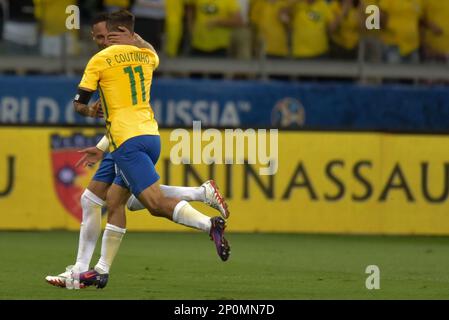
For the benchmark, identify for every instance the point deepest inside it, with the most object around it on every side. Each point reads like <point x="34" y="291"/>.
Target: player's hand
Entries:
<point x="123" y="36"/>
<point x="100" y="113"/>
<point x="90" y="157"/>
<point x="97" y="110"/>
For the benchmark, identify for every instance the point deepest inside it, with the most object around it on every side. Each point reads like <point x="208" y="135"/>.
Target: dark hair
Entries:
<point x="99" y="17"/>
<point x="121" y="18"/>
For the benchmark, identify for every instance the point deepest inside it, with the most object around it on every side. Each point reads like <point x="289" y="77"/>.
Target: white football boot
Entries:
<point x="215" y="199"/>
<point x="63" y="280"/>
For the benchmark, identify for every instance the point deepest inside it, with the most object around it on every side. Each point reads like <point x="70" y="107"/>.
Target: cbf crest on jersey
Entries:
<point x="70" y="181"/>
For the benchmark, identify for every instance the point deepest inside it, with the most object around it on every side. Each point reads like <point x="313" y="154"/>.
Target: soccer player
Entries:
<point x="123" y="73"/>
<point x="94" y="197"/>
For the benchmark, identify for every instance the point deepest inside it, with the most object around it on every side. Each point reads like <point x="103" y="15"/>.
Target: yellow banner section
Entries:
<point x="325" y="182"/>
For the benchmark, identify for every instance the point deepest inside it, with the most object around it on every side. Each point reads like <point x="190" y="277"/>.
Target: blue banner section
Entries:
<point x="48" y="100"/>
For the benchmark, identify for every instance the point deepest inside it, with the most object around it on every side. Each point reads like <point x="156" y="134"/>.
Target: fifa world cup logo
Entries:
<point x="288" y="113"/>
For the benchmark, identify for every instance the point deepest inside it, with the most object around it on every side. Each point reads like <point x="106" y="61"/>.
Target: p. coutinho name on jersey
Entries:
<point x="139" y="57"/>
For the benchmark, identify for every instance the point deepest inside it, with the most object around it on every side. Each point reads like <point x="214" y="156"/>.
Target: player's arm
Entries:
<point x="81" y="104"/>
<point x="87" y="86"/>
<point x="92" y="155"/>
<point x="103" y="144"/>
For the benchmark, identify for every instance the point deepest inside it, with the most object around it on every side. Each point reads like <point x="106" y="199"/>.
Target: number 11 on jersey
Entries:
<point x="132" y="79"/>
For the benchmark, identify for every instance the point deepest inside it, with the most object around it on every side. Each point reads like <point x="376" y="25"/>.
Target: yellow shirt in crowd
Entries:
<point x="123" y="74"/>
<point x="208" y="38"/>
<point x="437" y="11"/>
<point x="117" y="3"/>
<point x="265" y="15"/>
<point x="52" y="16"/>
<point x="310" y="28"/>
<point x="174" y="25"/>
<point x="403" y="24"/>
<point x="348" y="34"/>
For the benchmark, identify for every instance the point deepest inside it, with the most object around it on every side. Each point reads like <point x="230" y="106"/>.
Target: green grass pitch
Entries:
<point x="262" y="266"/>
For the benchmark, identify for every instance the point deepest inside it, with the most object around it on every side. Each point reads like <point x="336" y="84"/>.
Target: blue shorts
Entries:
<point x="106" y="171"/>
<point x="135" y="160"/>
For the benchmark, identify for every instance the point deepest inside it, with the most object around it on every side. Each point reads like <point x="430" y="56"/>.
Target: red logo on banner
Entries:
<point x="66" y="176"/>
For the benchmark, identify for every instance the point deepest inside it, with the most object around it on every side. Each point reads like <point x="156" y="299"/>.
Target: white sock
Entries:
<point x="112" y="237"/>
<point x="186" y="215"/>
<point x="90" y="229"/>
<point x="183" y="193"/>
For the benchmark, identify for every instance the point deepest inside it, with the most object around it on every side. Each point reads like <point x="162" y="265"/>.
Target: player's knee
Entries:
<point x="85" y="201"/>
<point x="115" y="210"/>
<point x="89" y="199"/>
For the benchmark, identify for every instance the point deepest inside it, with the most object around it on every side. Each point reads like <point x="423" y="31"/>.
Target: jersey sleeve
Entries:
<point x="91" y="74"/>
<point x="156" y="60"/>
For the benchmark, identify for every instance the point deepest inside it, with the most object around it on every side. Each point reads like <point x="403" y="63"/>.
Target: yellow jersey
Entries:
<point x="123" y="75"/>
<point x="52" y="15"/>
<point x="403" y="24"/>
<point x="265" y="15"/>
<point x="207" y="38"/>
<point x="310" y="28"/>
<point x="117" y="3"/>
<point x="173" y="25"/>
<point x="437" y="11"/>
<point x="348" y="34"/>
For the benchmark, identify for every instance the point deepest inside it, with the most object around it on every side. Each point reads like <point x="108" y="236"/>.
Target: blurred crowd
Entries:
<point x="410" y="30"/>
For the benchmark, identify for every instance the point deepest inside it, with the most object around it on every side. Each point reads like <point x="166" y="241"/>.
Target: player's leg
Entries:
<point x="115" y="228"/>
<point x="180" y="211"/>
<point x="184" y="193"/>
<point x="92" y="201"/>
<point x="136" y="159"/>
<point x="112" y="237"/>
<point x="208" y="193"/>
<point x="91" y="204"/>
<point x="161" y="206"/>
